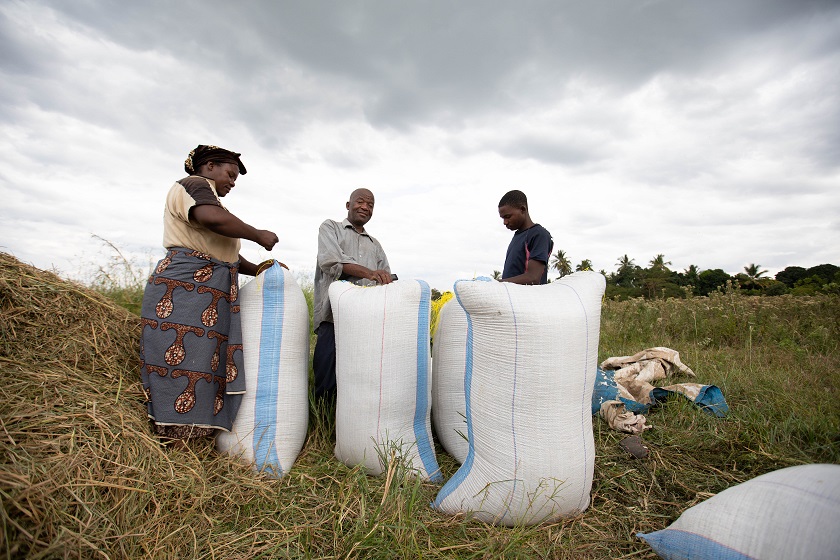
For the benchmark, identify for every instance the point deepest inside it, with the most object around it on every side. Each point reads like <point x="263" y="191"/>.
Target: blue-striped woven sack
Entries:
<point x="529" y="370"/>
<point x="788" y="513"/>
<point x="270" y="428"/>
<point x="383" y="376"/>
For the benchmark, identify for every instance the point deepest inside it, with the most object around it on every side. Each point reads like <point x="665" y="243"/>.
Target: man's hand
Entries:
<point x="380" y="276"/>
<point x="353" y="270"/>
<point x="532" y="275"/>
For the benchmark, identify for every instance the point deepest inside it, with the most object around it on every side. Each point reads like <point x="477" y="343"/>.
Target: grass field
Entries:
<point x="82" y="477"/>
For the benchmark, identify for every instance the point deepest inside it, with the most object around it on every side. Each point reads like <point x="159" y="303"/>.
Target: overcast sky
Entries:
<point x="705" y="131"/>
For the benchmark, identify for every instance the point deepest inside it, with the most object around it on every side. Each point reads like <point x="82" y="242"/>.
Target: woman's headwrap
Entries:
<point x="203" y="154"/>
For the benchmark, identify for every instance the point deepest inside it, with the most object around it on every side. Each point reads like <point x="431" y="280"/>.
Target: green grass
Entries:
<point x="82" y="477"/>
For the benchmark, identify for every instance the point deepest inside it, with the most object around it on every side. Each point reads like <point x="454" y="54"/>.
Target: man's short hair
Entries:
<point x="514" y="198"/>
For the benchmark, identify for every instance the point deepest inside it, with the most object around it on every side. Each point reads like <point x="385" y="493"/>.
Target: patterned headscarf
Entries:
<point x="203" y="154"/>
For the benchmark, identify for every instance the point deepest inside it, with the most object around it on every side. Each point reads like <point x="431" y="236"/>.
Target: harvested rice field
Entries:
<point x="82" y="477"/>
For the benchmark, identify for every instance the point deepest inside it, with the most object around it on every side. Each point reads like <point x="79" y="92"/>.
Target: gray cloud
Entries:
<point x="718" y="117"/>
<point x="433" y="61"/>
<point x="559" y="151"/>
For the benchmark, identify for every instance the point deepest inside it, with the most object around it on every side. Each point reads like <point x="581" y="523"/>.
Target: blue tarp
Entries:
<point x="709" y="400"/>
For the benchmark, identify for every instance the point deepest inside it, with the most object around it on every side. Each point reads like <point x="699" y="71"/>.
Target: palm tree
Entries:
<point x="692" y="274"/>
<point x="750" y="280"/>
<point x="625" y="276"/>
<point x="753" y="271"/>
<point x="657" y="275"/>
<point x="624" y="263"/>
<point x="560" y="263"/>
<point x="497" y="275"/>
<point x="659" y="263"/>
<point x="585" y="264"/>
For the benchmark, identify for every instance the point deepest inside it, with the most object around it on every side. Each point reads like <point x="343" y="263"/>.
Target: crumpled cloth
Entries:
<point x="635" y="374"/>
<point x="622" y="420"/>
<point x="628" y="380"/>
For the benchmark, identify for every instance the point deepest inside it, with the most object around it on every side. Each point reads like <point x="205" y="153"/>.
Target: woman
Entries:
<point x="191" y="344"/>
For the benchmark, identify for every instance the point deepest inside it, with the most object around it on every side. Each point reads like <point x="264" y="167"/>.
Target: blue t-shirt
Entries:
<point x="534" y="243"/>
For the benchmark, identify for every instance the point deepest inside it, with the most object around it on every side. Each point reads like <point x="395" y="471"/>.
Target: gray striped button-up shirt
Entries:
<point x="338" y="244"/>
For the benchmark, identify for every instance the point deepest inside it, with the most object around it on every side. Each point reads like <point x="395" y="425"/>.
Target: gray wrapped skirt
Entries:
<point x="191" y="344"/>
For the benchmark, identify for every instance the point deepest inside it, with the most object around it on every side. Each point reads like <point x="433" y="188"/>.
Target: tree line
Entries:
<point x="656" y="280"/>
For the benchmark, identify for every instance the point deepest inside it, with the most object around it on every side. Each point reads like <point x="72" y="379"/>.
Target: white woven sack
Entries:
<point x="382" y="375"/>
<point x="530" y="367"/>
<point x="788" y="513"/>
<point x="270" y="428"/>
<point x="449" y="356"/>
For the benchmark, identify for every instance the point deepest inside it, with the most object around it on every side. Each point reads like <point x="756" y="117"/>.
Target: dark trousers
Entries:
<point x="323" y="362"/>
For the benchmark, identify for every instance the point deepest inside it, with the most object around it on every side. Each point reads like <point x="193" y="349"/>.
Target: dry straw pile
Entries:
<point x="80" y="475"/>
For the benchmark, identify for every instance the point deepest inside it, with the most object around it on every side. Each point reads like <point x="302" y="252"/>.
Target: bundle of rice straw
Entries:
<point x="80" y="474"/>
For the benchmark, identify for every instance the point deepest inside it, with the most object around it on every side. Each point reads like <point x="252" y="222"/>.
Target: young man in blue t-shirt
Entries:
<point x="527" y="255"/>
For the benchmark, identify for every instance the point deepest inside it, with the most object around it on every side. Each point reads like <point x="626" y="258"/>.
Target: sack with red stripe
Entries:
<point x="383" y="376"/>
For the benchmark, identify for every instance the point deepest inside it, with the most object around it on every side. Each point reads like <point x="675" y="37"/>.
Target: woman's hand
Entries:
<point x="267" y="239"/>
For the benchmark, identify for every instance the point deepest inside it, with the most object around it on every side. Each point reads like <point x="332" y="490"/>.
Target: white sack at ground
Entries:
<point x="383" y="376"/>
<point x="449" y="353"/>
<point x="788" y="513"/>
<point x="270" y="427"/>
<point x="530" y="368"/>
